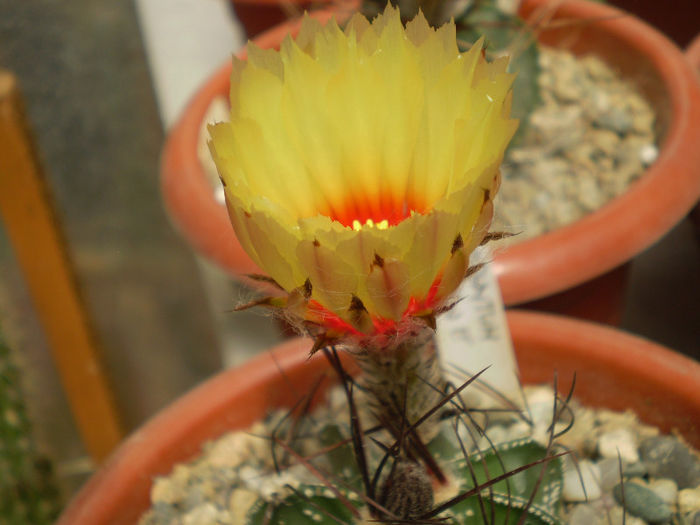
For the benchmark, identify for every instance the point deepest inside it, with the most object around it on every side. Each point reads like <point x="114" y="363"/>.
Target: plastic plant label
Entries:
<point x="474" y="334"/>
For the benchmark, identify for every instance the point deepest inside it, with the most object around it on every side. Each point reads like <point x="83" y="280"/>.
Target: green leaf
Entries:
<point x="312" y="505"/>
<point x="341" y="458"/>
<point x="443" y="446"/>
<point x="507" y="499"/>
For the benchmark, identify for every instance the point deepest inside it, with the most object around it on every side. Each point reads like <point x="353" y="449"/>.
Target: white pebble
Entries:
<point x="616" y="516"/>
<point x="689" y="500"/>
<point x="666" y="489"/>
<point x="583" y="515"/>
<point x="205" y="514"/>
<point x="220" y="195"/>
<point x="235" y="448"/>
<point x="240" y="502"/>
<point x="648" y="154"/>
<point x="581" y="482"/>
<point x="619" y="441"/>
<point x="166" y="491"/>
<point x="609" y="473"/>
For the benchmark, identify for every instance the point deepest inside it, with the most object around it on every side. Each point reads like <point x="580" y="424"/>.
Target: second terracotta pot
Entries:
<point x="613" y="370"/>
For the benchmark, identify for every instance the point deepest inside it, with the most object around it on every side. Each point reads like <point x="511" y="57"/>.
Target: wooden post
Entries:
<point x="28" y="213"/>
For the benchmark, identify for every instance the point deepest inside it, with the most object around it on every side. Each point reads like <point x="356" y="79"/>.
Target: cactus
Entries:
<point x="504" y="482"/>
<point x="354" y="476"/>
<point x="27" y="491"/>
<point x="313" y="504"/>
<point x="365" y="222"/>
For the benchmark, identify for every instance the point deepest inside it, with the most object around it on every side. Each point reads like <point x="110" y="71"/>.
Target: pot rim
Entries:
<point x="692" y="52"/>
<point x="650" y="370"/>
<point x="537" y="267"/>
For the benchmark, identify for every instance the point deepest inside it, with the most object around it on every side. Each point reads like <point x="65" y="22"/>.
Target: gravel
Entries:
<point x="236" y="470"/>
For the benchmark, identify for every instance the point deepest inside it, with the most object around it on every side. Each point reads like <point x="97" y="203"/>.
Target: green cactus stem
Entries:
<point x="534" y="492"/>
<point x="27" y="490"/>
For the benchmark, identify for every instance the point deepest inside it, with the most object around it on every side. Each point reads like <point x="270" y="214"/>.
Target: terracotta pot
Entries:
<point x="259" y="15"/>
<point x="676" y="21"/>
<point x="692" y="52"/>
<point x="613" y="369"/>
<point x="547" y="265"/>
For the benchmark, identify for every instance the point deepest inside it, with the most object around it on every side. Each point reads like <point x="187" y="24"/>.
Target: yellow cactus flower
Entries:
<point x="359" y="167"/>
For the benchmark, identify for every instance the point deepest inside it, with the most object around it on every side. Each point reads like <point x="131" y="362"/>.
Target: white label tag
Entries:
<point x="474" y="334"/>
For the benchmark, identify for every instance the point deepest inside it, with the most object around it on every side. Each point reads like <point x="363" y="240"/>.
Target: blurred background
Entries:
<point x="102" y="82"/>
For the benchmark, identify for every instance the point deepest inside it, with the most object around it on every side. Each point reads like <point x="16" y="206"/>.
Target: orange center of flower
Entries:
<point x="381" y="212"/>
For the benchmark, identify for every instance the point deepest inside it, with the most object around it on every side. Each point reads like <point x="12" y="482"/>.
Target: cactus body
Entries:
<point x="507" y="500"/>
<point x="27" y="492"/>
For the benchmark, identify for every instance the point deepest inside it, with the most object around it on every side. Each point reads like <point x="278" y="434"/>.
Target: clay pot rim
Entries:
<point x="668" y="374"/>
<point x="692" y="52"/>
<point x="535" y="268"/>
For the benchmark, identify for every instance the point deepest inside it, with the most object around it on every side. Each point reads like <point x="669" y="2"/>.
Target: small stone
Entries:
<point x="599" y="103"/>
<point x="558" y="128"/>
<point x="220" y="195"/>
<point x="693" y="519"/>
<point x="581" y="437"/>
<point x="619" y="441"/>
<point x="605" y="140"/>
<point x="240" y="501"/>
<point x="164" y="490"/>
<point x="540" y="405"/>
<point x="161" y="513"/>
<point x="567" y="86"/>
<point x="525" y="155"/>
<point x="563" y="212"/>
<point x="581" y="482"/>
<point x="198" y="494"/>
<point x="642" y="502"/>
<point x="611" y="420"/>
<point x="617" y="182"/>
<point x="615" y="119"/>
<point x="635" y="470"/>
<point x="667" y="457"/>
<point x="643" y="121"/>
<point x="582" y="154"/>
<point x="206" y="514"/>
<point x="589" y="193"/>
<point x="583" y="514"/>
<point x="629" y="151"/>
<point x="689" y="500"/>
<point x="508" y="6"/>
<point x="666" y="489"/>
<point x="232" y="449"/>
<point x="610" y="474"/>
<point x="596" y="68"/>
<point x="648" y="154"/>
<point x="618" y="516"/>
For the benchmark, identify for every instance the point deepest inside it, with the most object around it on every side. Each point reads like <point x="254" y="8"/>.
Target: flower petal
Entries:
<point x="388" y="288"/>
<point x="333" y="282"/>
